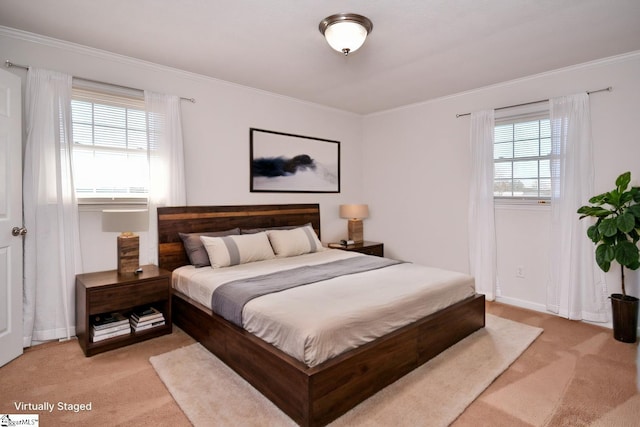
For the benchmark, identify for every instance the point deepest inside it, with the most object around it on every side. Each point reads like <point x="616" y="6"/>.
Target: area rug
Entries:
<point x="211" y="394"/>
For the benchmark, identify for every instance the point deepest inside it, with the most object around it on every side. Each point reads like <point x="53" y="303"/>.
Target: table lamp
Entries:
<point x="126" y="222"/>
<point x="355" y="214"/>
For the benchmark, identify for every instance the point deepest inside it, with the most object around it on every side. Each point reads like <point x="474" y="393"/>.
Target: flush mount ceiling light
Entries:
<point x="345" y="32"/>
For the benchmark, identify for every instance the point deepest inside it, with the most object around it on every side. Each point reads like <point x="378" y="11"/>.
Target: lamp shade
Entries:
<point x="354" y="211"/>
<point x="125" y="220"/>
<point x="345" y="32"/>
<point x="345" y="35"/>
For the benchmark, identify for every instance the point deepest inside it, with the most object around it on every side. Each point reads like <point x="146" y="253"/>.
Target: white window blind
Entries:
<point x="522" y="149"/>
<point x="109" y="146"/>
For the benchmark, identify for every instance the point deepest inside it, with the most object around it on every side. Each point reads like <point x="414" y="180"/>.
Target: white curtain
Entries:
<point x="166" y="159"/>
<point x="575" y="289"/>
<point x="482" y="235"/>
<point x="52" y="244"/>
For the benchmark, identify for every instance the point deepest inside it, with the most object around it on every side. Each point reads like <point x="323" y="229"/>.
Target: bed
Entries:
<point x="310" y="395"/>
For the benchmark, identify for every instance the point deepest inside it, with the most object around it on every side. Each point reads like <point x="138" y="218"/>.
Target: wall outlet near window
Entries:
<point x="520" y="272"/>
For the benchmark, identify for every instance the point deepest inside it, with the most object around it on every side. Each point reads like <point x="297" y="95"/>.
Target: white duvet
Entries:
<point x="316" y="322"/>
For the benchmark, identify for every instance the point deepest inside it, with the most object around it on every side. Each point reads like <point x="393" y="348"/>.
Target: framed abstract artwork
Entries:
<point x="287" y="163"/>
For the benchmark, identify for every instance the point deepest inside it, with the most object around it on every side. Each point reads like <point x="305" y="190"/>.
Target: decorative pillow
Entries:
<point x="301" y="240"/>
<point x="282" y="227"/>
<point x="234" y="250"/>
<point x="196" y="252"/>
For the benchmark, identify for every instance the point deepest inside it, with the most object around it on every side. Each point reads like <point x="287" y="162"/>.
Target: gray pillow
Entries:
<point x="196" y="252"/>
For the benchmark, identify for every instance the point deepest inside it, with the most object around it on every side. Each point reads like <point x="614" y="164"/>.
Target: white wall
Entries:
<point x="409" y="164"/>
<point x="216" y="133"/>
<point x="416" y="163"/>
<point x="522" y="240"/>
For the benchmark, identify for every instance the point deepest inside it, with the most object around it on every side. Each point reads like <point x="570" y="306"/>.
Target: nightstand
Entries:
<point x="108" y="292"/>
<point x="369" y="248"/>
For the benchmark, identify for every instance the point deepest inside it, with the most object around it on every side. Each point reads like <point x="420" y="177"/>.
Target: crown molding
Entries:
<point x="151" y="66"/>
<point x="81" y="49"/>
<point x="629" y="56"/>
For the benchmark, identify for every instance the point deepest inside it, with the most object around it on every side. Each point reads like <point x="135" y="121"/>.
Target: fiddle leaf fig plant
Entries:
<point x="616" y="231"/>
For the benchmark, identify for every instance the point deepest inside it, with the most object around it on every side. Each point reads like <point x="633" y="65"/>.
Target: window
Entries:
<point x="109" y="146"/>
<point x="521" y="156"/>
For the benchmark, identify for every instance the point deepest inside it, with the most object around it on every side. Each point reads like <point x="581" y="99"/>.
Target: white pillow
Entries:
<point x="233" y="250"/>
<point x="301" y="240"/>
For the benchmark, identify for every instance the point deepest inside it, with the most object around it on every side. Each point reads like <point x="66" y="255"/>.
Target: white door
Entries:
<point x="10" y="218"/>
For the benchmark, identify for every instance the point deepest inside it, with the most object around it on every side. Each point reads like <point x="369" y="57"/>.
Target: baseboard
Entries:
<point x="542" y="309"/>
<point x="607" y="325"/>
<point x="523" y="304"/>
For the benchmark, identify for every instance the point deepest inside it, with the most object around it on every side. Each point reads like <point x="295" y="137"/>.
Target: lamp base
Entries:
<point x="128" y="254"/>
<point x="356" y="230"/>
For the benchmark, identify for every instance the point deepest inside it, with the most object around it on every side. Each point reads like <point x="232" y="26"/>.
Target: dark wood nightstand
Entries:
<point x="369" y="248"/>
<point x="108" y="292"/>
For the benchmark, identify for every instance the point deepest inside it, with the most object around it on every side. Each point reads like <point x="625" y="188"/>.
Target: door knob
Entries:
<point x="18" y="231"/>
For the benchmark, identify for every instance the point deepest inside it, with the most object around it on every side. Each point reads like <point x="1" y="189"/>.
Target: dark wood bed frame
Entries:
<point x="310" y="396"/>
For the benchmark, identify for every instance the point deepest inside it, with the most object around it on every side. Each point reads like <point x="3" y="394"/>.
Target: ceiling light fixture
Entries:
<point x="345" y="32"/>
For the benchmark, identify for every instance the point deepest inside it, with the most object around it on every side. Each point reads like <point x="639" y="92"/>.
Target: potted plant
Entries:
<point x="616" y="233"/>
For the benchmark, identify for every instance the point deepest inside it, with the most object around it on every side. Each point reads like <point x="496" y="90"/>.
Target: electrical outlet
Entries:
<point x="520" y="272"/>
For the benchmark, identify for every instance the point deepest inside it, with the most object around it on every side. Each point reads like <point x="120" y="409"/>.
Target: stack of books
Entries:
<point x="343" y="244"/>
<point x="146" y="318"/>
<point x="109" y="325"/>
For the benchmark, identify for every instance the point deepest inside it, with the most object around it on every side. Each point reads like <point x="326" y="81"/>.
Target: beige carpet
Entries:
<point x="435" y="394"/>
<point x="574" y="375"/>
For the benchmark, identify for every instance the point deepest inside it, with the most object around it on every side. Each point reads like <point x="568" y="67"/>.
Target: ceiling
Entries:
<point x="418" y="49"/>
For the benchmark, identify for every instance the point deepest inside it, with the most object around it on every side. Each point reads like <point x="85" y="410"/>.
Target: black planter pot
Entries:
<point x="625" y="317"/>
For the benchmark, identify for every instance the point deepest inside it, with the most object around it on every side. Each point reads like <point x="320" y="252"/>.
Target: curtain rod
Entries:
<point x="10" y="64"/>
<point x="607" y="89"/>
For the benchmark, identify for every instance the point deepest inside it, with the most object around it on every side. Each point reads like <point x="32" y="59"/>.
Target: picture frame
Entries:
<point x="287" y="163"/>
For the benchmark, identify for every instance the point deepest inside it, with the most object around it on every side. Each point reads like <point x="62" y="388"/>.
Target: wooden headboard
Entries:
<point x="200" y="219"/>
